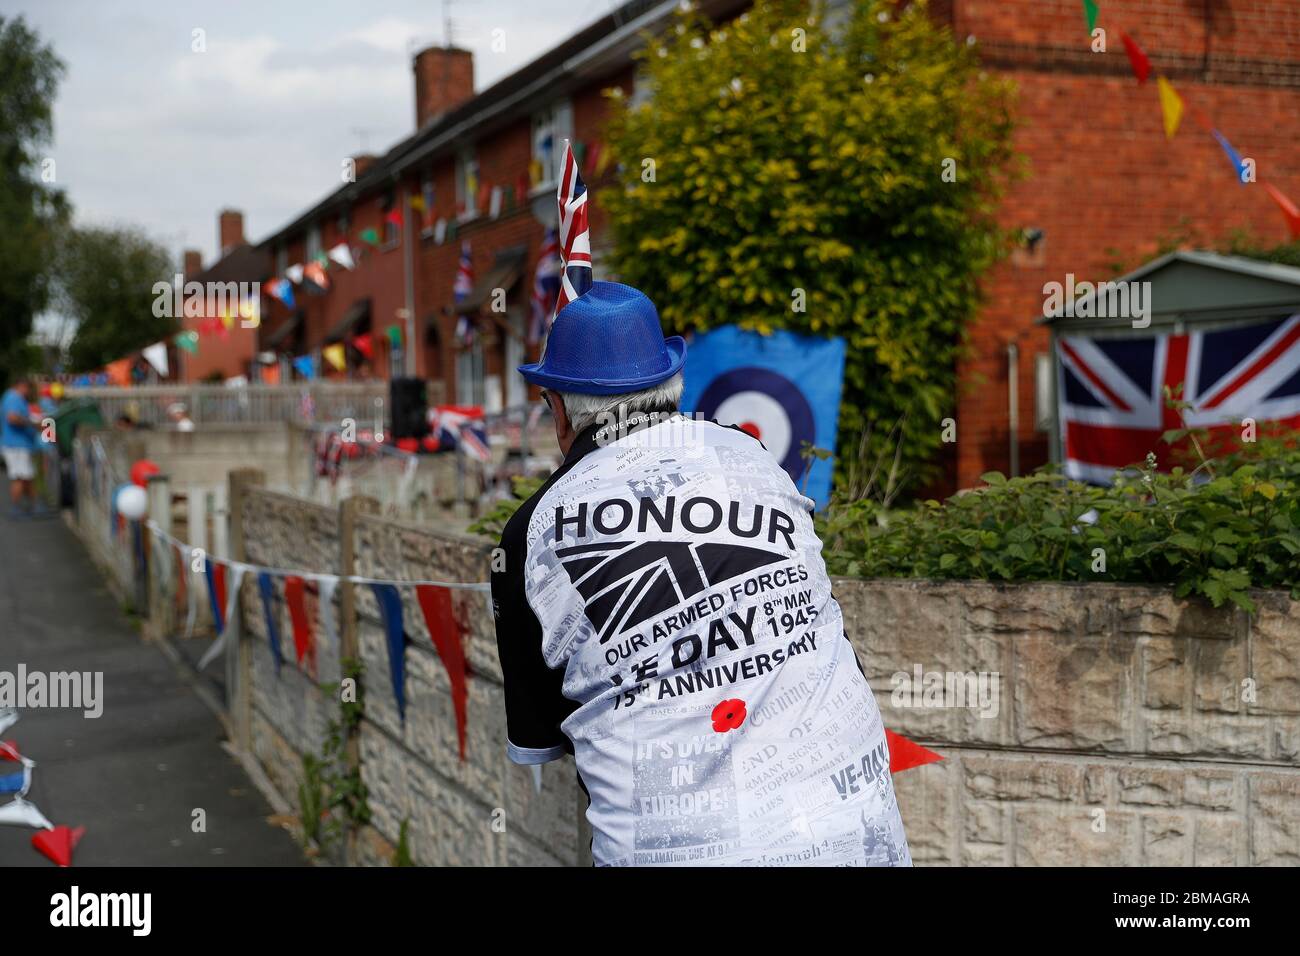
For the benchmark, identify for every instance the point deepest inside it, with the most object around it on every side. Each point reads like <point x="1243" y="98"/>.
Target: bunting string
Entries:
<point x="318" y="576"/>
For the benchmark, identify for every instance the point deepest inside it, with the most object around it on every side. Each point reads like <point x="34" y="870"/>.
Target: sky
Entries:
<point x="152" y="133"/>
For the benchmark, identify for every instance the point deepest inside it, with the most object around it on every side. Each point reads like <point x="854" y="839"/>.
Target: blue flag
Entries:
<point x="390" y="608"/>
<point x="267" y="589"/>
<point x="782" y="388"/>
<point x="1234" y="157"/>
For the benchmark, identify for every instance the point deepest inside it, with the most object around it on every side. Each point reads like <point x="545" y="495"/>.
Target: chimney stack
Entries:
<point x="444" y="79"/>
<point x="230" y="229"/>
<point x="361" y="162"/>
<point x="192" y="263"/>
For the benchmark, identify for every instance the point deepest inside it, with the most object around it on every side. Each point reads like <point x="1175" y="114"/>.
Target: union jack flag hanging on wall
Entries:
<point x="1112" y="391"/>
<point x="575" y="240"/>
<point x="546" y="286"/>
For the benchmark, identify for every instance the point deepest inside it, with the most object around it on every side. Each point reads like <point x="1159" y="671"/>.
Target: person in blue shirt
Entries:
<point x="17" y="444"/>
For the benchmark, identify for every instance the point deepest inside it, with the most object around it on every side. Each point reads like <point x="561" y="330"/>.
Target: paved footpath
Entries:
<point x="133" y="776"/>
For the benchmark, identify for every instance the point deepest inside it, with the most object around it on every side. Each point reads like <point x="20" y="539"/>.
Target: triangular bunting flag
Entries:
<point x="267" y="589"/>
<point x="1288" y="209"/>
<point x="1137" y="58"/>
<point x="58" y="843"/>
<point x="295" y="273"/>
<point x="390" y="609"/>
<point x="336" y="356"/>
<point x="1234" y="157"/>
<point x="342" y="254"/>
<point x="156" y="355"/>
<point x="1090" y="11"/>
<point x="216" y="575"/>
<point x="904" y="754"/>
<point x="21" y="813"/>
<point x="294" y="590"/>
<point x="1171" y="105"/>
<point x="230" y="632"/>
<point x="325" y="608"/>
<point x="444" y="629"/>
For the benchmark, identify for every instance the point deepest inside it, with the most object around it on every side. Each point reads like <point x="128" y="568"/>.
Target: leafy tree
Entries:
<point x="791" y="156"/>
<point x="31" y="212"/>
<point x="106" y="280"/>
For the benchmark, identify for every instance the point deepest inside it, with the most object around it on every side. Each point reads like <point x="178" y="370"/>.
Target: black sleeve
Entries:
<point x="535" y="703"/>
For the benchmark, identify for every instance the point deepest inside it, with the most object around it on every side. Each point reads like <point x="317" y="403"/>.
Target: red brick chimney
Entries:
<point x="361" y="162"/>
<point x="193" y="263"/>
<point x="444" y="79"/>
<point x="230" y="229"/>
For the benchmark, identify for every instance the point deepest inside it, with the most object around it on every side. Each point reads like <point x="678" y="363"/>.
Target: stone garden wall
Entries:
<point x="1120" y="726"/>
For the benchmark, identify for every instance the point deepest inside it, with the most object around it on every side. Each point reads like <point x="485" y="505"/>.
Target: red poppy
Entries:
<point x="728" y="715"/>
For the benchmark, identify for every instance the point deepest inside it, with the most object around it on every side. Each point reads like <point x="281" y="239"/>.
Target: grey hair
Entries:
<point x="587" y="410"/>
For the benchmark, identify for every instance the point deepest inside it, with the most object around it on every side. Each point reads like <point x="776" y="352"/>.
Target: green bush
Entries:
<point x="798" y="182"/>
<point x="1214" y="533"/>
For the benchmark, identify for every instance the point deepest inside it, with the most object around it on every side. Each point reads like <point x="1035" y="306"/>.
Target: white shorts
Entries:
<point x="18" y="462"/>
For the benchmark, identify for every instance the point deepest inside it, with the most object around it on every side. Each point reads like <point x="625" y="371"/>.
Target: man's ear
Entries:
<point x="561" y="414"/>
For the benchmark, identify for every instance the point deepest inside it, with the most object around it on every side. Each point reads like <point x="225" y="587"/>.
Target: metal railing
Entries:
<point x="307" y="402"/>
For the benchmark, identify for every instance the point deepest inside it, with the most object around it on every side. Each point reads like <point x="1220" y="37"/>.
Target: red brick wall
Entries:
<point x="1102" y="181"/>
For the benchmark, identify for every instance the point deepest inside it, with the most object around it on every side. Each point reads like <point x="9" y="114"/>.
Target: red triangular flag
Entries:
<point x="1288" y="209"/>
<point x="440" y="618"/>
<point x="219" y="578"/>
<point x="904" y="754"/>
<point x="293" y="595"/>
<point x="1139" y="60"/>
<point x="57" y="844"/>
<point x="8" y="750"/>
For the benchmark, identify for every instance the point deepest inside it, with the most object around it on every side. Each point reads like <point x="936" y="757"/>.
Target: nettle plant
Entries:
<point x="839" y="181"/>
<point x="1215" y="530"/>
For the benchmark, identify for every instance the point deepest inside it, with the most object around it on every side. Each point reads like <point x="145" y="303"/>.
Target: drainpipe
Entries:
<point x="1013" y="406"/>
<point x="408" y="266"/>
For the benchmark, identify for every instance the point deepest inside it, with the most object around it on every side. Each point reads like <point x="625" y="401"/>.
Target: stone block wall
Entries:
<point x="289" y="711"/>
<point x="1131" y="728"/>
<point x="480" y="811"/>
<point x="1122" y="726"/>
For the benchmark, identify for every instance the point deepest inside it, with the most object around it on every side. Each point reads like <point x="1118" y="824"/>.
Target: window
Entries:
<point x="427" y="203"/>
<point x="467" y="185"/>
<point x="470" y="387"/>
<point x="313" y="241"/>
<point x="281" y="260"/>
<point x="392" y="215"/>
<point x="551" y="127"/>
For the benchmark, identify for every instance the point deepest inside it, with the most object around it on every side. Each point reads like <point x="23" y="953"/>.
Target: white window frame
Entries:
<point x="555" y="118"/>
<point x="464" y="160"/>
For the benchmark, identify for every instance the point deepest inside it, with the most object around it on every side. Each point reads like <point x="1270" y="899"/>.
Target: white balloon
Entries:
<point x="21" y="813"/>
<point x="131" y="502"/>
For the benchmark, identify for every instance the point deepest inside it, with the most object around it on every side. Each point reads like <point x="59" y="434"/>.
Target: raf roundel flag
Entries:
<point x="782" y="388"/>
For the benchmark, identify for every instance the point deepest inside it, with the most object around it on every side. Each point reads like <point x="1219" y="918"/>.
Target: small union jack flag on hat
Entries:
<point x="575" y="239"/>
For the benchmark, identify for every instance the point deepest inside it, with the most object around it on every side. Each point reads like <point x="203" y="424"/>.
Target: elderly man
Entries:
<point x="663" y="613"/>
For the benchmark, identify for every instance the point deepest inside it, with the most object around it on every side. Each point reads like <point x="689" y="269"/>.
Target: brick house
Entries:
<point x="1103" y="189"/>
<point x="229" y="352"/>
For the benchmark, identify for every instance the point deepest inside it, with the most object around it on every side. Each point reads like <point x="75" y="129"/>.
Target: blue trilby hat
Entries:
<point x="606" y="342"/>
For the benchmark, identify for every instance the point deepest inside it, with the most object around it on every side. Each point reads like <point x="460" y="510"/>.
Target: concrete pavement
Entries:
<point x="135" y="775"/>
